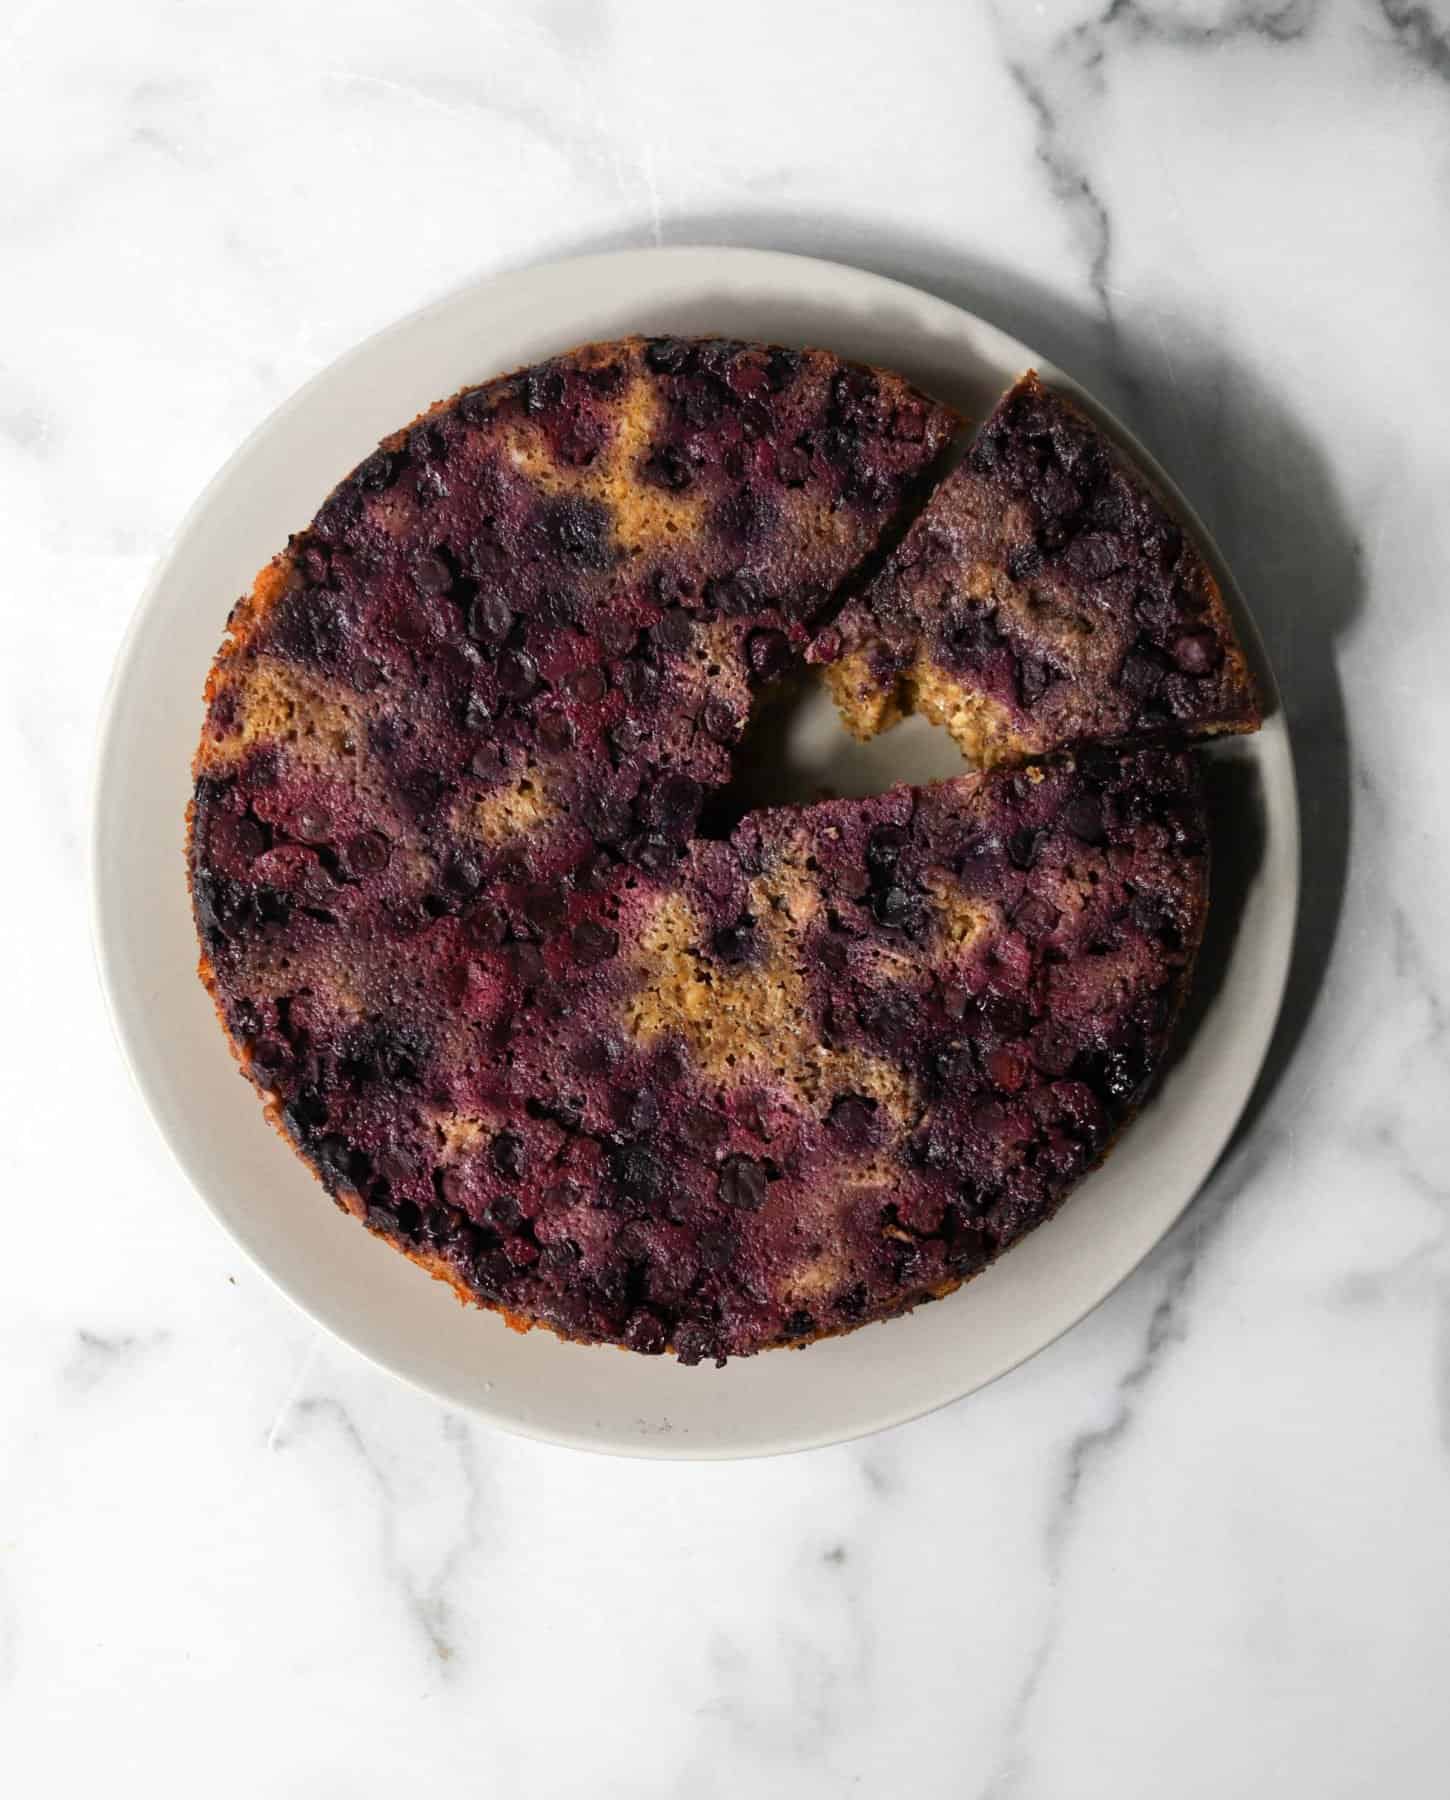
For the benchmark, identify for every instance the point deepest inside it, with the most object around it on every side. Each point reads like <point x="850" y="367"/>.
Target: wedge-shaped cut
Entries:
<point x="1045" y="595"/>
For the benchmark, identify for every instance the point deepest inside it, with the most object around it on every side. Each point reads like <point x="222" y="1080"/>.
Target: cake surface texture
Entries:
<point x="536" y="1009"/>
<point x="1045" y="596"/>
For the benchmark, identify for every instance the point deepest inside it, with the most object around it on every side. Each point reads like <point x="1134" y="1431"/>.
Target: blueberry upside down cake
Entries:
<point x="532" y="1003"/>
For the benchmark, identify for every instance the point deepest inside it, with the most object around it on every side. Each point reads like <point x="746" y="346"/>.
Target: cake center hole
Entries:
<point x="796" y="751"/>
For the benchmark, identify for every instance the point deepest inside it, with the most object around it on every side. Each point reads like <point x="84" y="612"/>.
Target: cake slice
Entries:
<point x="1046" y="595"/>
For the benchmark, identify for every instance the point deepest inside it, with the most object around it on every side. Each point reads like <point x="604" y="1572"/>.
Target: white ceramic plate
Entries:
<point x="367" y="1294"/>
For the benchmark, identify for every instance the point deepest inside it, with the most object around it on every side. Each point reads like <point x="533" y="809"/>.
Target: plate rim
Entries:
<point x="107" y="931"/>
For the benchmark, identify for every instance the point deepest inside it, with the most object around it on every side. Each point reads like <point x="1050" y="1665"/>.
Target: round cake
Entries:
<point x="525" y="991"/>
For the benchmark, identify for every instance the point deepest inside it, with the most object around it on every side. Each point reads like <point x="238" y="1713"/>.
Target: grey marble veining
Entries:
<point x="1196" y="1548"/>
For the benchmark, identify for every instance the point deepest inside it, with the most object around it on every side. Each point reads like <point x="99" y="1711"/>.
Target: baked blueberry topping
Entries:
<point x="1043" y="596"/>
<point x="516" y="1008"/>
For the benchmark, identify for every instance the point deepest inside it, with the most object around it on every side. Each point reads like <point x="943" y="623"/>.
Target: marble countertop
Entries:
<point x="1198" y="1547"/>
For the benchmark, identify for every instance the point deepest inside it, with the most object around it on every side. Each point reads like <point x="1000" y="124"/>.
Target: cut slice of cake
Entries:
<point x="1046" y="595"/>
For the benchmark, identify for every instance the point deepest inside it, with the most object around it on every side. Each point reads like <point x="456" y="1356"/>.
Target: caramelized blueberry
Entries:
<point x="378" y="472"/>
<point x="595" y="873"/>
<point x="639" y="682"/>
<point x="587" y="685"/>
<point x="368" y="853"/>
<point x="599" y="1055"/>
<point x="669" y="467"/>
<point x="641" y="1110"/>
<point x="505" y="1215"/>
<point x="1140" y="676"/>
<point x="431" y="575"/>
<point x="462" y="874"/>
<point x="544" y="907"/>
<point x="641" y="1175"/>
<point x="626" y="737"/>
<point x="1033" y="680"/>
<point x="734" y="594"/>
<point x="474" y="406"/>
<point x="1096" y="554"/>
<point x="1035" y="916"/>
<point x="694" y="1341"/>
<point x="735" y="943"/>
<point x="490" y="619"/>
<point x="669" y="356"/>
<point x="579" y="530"/>
<point x="1053" y="1049"/>
<point x="793" y="466"/>
<point x="883" y="849"/>
<point x="742" y="1184"/>
<point x="852" y="1119"/>
<point x="1007" y="1067"/>
<point x="594" y="943"/>
<point x="1025" y="846"/>
<point x="719" y="1248"/>
<point x="781" y="368"/>
<point x="556" y="732"/>
<point x="834" y="954"/>
<point x="1197" y="652"/>
<point x="898" y="908"/>
<point x="606" y="816"/>
<point x="617" y="634"/>
<point x="518" y="674"/>
<point x="767" y="653"/>
<point x="528" y="964"/>
<point x="720" y="722"/>
<point x="675" y="805"/>
<point x="1083" y="816"/>
<point x="313" y="824"/>
<point x="703" y="1128"/>
<point x="507" y="1155"/>
<point x="652" y="854"/>
<point x="674" y="633"/>
<point x="269" y="1054"/>
<point x="645" y="1333"/>
<point x="395" y="1165"/>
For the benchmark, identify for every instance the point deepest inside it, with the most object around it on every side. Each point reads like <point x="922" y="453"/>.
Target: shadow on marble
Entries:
<point x="1234" y="797"/>
<point x="1216" y="421"/>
